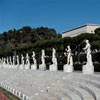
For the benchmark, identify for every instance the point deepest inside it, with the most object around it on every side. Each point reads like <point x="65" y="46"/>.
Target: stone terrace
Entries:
<point x="47" y="85"/>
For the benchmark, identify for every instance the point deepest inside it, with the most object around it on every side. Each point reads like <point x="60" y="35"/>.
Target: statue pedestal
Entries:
<point x="88" y="69"/>
<point x="68" y="68"/>
<point x="42" y="67"/>
<point x="34" y="67"/>
<point x="17" y="66"/>
<point x="27" y="66"/>
<point x="21" y="66"/>
<point x="53" y="67"/>
<point x="10" y="66"/>
<point x="13" y="66"/>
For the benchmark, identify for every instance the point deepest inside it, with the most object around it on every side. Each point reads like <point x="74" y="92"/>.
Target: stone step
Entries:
<point x="88" y="81"/>
<point x="91" y="77"/>
<point x="94" y="91"/>
<point x="44" y="96"/>
<point x="59" y="94"/>
<point x="63" y="93"/>
<point x="85" y="95"/>
<point x="70" y="94"/>
<point x="51" y="98"/>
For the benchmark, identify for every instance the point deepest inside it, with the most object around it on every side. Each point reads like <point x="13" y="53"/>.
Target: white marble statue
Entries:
<point x="27" y="65"/>
<point x="54" y="59"/>
<point x="22" y="62"/>
<point x="13" y="61"/>
<point x="69" y="66"/>
<point x="53" y="67"/>
<point x="88" y="68"/>
<point x="22" y="59"/>
<point x="87" y="49"/>
<point x="34" y="65"/>
<point x="7" y="62"/>
<point x="27" y="59"/>
<point x="0" y="63"/>
<point x="69" y="56"/>
<point x="17" y="61"/>
<point x="4" y="62"/>
<point x="43" y="65"/>
<point x="10" y="61"/>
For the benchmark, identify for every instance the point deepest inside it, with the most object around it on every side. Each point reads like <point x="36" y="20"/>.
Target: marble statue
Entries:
<point x="17" y="61"/>
<point x="53" y="67"/>
<point x="88" y="68"/>
<point x="69" y="56"/>
<point x="10" y="61"/>
<point x="13" y="62"/>
<point x="22" y="59"/>
<point x="43" y="65"/>
<point x="22" y="62"/>
<point x="34" y="65"/>
<point x="7" y="64"/>
<point x="87" y="49"/>
<point x="0" y="63"/>
<point x="7" y="61"/>
<point x="27" y="65"/>
<point x="69" y="66"/>
<point x="4" y="62"/>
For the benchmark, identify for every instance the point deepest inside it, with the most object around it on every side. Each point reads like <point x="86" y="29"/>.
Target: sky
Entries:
<point x="61" y="15"/>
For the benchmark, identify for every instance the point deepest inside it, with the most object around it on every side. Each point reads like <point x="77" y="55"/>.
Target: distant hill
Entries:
<point x="25" y="37"/>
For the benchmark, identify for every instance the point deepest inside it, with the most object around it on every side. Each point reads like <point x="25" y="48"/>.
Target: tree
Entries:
<point x="97" y="31"/>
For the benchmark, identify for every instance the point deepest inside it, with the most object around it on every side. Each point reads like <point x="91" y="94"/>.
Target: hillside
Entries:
<point x="24" y="38"/>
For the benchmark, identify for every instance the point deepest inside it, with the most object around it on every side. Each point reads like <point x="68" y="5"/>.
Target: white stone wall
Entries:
<point x="77" y="31"/>
<point x="91" y="29"/>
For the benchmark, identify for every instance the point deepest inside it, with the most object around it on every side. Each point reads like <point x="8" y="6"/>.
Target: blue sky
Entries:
<point x="58" y="14"/>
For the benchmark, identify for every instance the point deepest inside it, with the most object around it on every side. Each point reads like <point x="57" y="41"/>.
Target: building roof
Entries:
<point x="80" y="27"/>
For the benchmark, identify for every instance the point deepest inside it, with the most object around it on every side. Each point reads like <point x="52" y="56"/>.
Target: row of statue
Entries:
<point x="87" y="69"/>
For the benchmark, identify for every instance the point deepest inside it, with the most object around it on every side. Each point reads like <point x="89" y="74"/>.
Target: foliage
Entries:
<point x="97" y="31"/>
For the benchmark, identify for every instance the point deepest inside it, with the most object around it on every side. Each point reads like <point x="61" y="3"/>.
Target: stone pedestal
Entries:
<point x="34" y="67"/>
<point x="15" y="66"/>
<point x="68" y="68"/>
<point x="53" y="67"/>
<point x="42" y="67"/>
<point x="10" y="66"/>
<point x="21" y="66"/>
<point x="88" y="69"/>
<point x="27" y="66"/>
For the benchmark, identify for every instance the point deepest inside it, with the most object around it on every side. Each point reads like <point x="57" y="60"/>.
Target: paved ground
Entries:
<point x="46" y="85"/>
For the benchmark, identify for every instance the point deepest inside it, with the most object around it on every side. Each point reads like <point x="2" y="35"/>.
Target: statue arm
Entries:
<point x="85" y="47"/>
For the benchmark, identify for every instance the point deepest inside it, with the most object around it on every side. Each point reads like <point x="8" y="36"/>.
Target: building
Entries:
<point x="89" y="28"/>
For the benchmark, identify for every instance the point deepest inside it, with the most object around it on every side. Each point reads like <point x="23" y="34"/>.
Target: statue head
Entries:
<point x="87" y="41"/>
<point x="33" y="53"/>
<point x="43" y="52"/>
<point x="68" y="47"/>
<point x="54" y="50"/>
